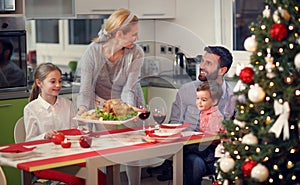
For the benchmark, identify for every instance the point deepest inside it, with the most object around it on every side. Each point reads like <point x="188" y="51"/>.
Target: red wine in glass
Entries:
<point x="144" y="115"/>
<point x="159" y="115"/>
<point x="159" y="118"/>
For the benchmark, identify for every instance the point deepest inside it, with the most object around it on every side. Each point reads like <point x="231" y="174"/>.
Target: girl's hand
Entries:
<point x="49" y="134"/>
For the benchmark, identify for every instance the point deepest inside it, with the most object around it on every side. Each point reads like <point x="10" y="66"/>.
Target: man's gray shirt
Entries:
<point x="184" y="108"/>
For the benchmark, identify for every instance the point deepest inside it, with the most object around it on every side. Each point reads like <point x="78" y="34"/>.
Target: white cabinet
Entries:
<point x="99" y="6"/>
<point x="154" y="9"/>
<point x="167" y="94"/>
<point x="45" y="9"/>
<point x="18" y="12"/>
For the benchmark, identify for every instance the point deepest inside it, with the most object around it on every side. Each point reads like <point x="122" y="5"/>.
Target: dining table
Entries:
<point x="109" y="149"/>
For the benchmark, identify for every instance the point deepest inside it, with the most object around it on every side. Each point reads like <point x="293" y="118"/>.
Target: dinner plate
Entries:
<point x="171" y="125"/>
<point x="165" y="137"/>
<point x="108" y="122"/>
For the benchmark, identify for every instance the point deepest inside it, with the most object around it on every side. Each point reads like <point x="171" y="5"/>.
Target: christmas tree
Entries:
<point x="262" y="143"/>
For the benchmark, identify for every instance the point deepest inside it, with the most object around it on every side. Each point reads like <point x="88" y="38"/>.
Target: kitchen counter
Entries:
<point x="166" y="81"/>
<point x="24" y="93"/>
<point x="163" y="80"/>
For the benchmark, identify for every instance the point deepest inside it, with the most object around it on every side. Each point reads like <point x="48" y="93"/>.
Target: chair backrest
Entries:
<point x="19" y="131"/>
<point x="2" y="177"/>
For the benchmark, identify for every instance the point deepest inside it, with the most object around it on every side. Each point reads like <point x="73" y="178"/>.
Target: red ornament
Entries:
<point x="278" y="31"/>
<point x="246" y="75"/>
<point x="247" y="167"/>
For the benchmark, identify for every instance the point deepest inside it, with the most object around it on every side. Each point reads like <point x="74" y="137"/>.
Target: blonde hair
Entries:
<point x="116" y="21"/>
<point x="41" y="73"/>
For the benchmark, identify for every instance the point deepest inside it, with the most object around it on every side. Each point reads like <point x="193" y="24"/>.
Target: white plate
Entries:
<point x="108" y="122"/>
<point x="171" y="125"/>
<point x="191" y="133"/>
<point x="170" y="130"/>
<point x="166" y="139"/>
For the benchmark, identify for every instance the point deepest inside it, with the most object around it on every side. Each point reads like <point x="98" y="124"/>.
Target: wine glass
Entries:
<point x="158" y="107"/>
<point x="144" y="113"/>
<point x="159" y="115"/>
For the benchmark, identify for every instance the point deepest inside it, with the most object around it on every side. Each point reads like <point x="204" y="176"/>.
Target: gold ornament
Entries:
<point x="284" y="14"/>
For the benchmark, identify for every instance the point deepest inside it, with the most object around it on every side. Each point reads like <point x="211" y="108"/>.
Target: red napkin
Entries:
<point x="185" y="125"/>
<point x="16" y="149"/>
<point x="71" y="132"/>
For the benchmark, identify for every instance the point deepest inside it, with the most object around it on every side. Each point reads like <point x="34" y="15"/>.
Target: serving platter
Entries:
<point x="108" y="122"/>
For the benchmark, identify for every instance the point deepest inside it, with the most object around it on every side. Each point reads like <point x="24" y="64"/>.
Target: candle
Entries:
<point x="149" y="130"/>
<point x="65" y="143"/>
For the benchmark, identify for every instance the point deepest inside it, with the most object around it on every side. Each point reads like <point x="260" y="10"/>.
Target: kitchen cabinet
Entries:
<point x="20" y="9"/>
<point x="99" y="6"/>
<point x="154" y="9"/>
<point x="167" y="94"/>
<point x="10" y="111"/>
<point x="45" y="9"/>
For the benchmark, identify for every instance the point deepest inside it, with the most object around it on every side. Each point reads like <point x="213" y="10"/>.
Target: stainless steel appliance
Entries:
<point x="7" y="5"/>
<point x="184" y="65"/>
<point x="13" y="67"/>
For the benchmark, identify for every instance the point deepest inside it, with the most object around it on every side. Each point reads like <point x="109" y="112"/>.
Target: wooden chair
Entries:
<point x="19" y="131"/>
<point x="2" y="177"/>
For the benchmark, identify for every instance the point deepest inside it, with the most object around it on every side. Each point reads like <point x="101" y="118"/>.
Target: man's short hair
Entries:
<point x="225" y="55"/>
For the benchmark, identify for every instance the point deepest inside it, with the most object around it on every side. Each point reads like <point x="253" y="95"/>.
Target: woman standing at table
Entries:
<point x="110" y="68"/>
<point x="46" y="113"/>
<point x="111" y="65"/>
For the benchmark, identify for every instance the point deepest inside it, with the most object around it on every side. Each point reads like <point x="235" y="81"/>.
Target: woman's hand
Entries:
<point x="81" y="109"/>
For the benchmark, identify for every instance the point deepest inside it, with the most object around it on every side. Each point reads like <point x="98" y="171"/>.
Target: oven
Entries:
<point x="13" y="58"/>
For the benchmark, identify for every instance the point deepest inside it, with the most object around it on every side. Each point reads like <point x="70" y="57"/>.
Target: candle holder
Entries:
<point x="66" y="143"/>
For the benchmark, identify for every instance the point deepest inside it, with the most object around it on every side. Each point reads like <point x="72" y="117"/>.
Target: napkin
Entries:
<point x="185" y="125"/>
<point x="71" y="132"/>
<point x="16" y="149"/>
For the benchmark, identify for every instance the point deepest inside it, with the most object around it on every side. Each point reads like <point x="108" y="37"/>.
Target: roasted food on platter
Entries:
<point x="113" y="110"/>
<point x="117" y="107"/>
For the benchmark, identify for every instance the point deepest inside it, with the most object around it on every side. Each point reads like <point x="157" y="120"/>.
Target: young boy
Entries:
<point x="208" y="95"/>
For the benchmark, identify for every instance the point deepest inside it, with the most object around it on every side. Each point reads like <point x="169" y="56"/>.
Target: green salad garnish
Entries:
<point x="111" y="117"/>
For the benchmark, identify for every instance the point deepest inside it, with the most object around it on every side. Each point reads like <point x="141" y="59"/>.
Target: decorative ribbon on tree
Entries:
<point x="282" y="122"/>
